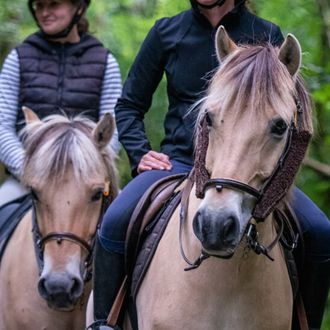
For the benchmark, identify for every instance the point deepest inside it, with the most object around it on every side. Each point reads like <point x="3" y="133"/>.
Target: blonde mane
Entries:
<point x="57" y="142"/>
<point x="253" y="79"/>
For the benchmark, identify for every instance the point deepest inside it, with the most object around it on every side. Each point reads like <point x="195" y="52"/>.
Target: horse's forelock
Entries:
<point x="253" y="79"/>
<point x="60" y="142"/>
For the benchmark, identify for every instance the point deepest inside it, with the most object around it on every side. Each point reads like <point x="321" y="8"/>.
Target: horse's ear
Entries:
<point x="223" y="44"/>
<point x="290" y="54"/>
<point x="104" y="130"/>
<point x="30" y="116"/>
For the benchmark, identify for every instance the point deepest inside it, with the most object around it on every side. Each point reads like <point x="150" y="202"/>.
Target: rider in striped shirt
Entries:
<point x="59" y="69"/>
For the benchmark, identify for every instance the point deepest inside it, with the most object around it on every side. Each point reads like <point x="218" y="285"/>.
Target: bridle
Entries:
<point x="58" y="236"/>
<point x="262" y="208"/>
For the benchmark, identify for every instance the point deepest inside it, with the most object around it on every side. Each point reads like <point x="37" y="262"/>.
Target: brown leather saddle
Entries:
<point x="151" y="215"/>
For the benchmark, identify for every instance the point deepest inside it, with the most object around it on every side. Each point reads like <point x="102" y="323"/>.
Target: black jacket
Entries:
<point x="183" y="47"/>
<point x="61" y="77"/>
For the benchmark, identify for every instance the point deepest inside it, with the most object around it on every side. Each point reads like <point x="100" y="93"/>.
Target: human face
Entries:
<point x="54" y="15"/>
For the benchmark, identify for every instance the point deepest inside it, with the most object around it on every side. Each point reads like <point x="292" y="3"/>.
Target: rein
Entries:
<point x="183" y="216"/>
<point x="40" y="241"/>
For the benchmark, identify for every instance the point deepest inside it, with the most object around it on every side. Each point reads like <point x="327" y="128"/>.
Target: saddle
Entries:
<point x="11" y="214"/>
<point x="156" y="206"/>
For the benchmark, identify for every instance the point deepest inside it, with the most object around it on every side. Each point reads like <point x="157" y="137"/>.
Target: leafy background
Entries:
<point x="123" y="24"/>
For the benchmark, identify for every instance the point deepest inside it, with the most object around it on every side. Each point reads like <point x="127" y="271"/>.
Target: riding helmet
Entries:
<point x="75" y="19"/>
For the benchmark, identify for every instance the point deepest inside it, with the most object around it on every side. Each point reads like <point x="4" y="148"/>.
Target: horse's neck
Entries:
<point x="23" y="231"/>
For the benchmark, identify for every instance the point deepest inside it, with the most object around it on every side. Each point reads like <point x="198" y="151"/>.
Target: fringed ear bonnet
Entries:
<point x="201" y="174"/>
<point x="286" y="170"/>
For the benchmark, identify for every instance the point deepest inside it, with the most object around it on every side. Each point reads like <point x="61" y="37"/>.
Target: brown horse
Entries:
<point x="249" y="114"/>
<point x="46" y="267"/>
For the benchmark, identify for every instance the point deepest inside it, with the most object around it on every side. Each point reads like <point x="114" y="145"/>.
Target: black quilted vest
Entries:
<point x="57" y="78"/>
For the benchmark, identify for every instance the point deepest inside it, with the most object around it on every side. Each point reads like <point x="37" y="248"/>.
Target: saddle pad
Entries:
<point x="10" y="215"/>
<point x="153" y="234"/>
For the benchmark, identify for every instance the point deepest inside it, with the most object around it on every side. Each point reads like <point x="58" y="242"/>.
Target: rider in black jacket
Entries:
<point x="183" y="47"/>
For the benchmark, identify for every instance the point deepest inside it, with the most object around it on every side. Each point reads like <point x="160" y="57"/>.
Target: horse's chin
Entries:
<point x="68" y="308"/>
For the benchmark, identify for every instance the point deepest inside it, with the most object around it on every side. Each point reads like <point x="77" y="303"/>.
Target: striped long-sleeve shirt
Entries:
<point x="11" y="149"/>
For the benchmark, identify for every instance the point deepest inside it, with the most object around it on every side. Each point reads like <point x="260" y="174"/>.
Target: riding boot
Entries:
<point x="314" y="290"/>
<point x="108" y="276"/>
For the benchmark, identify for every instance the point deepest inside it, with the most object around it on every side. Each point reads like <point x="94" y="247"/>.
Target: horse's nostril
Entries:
<point x="197" y="223"/>
<point x="229" y="226"/>
<point x="230" y="230"/>
<point x="42" y="288"/>
<point x="76" y="288"/>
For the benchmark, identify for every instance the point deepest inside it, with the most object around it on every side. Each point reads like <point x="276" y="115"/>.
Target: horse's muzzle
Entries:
<point x="218" y="232"/>
<point x="60" y="290"/>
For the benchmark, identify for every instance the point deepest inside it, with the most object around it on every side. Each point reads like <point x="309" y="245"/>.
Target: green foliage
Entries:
<point x="122" y="26"/>
<point x="10" y="16"/>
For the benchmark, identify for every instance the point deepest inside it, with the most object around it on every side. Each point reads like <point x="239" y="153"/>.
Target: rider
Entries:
<point x="59" y="69"/>
<point x="183" y="47"/>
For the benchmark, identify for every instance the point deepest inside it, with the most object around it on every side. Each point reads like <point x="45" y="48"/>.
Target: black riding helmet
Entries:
<point x="82" y="4"/>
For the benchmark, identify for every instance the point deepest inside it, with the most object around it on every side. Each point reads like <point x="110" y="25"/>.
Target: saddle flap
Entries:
<point x="150" y="203"/>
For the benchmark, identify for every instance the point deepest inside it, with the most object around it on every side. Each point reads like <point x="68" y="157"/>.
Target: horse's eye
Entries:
<point x="208" y="119"/>
<point x="278" y="127"/>
<point x="97" y="196"/>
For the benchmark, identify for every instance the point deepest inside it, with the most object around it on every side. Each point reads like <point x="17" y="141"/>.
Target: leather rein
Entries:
<point x="40" y="241"/>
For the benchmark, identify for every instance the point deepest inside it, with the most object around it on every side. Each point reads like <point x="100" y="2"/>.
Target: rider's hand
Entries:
<point x="153" y="160"/>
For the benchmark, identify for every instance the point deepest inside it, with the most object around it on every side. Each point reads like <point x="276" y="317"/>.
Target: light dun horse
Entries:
<point x="68" y="167"/>
<point x="249" y="109"/>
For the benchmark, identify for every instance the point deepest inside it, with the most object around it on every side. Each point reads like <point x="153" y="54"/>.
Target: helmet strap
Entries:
<point x="218" y="3"/>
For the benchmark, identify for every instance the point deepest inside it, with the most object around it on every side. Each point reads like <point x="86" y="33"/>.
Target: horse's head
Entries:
<point x="69" y="167"/>
<point x="248" y="117"/>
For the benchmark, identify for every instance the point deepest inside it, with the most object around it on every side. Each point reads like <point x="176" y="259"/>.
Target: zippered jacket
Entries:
<point x="182" y="48"/>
